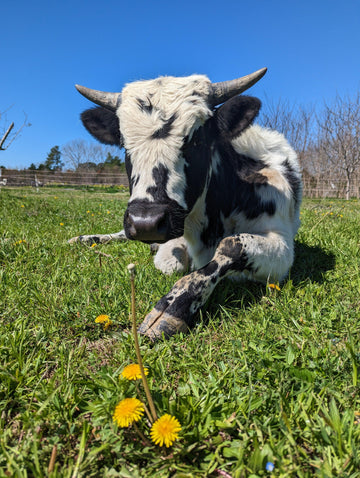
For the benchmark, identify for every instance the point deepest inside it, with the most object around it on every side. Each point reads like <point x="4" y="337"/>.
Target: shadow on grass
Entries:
<point x="310" y="263"/>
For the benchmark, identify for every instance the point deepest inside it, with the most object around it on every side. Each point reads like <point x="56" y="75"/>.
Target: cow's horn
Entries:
<point x="225" y="90"/>
<point x="110" y="101"/>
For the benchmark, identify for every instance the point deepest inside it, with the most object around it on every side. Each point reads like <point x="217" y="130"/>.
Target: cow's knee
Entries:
<point x="259" y="257"/>
<point x="172" y="257"/>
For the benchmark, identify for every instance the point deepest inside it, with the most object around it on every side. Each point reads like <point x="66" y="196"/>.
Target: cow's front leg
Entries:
<point x="99" y="238"/>
<point x="257" y="257"/>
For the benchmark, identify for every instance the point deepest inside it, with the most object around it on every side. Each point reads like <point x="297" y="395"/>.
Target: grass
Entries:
<point x="266" y="376"/>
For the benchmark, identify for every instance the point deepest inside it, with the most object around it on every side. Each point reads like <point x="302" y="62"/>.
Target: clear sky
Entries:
<point x="311" y="49"/>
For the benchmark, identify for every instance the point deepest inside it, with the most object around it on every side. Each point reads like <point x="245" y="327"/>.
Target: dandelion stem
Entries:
<point x="131" y="269"/>
<point x="145" y="407"/>
<point x="141" y="435"/>
<point x="52" y="459"/>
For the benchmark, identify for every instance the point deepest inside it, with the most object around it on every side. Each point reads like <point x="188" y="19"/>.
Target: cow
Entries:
<point x="219" y="194"/>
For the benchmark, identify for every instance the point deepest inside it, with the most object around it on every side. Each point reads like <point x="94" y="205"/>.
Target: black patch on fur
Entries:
<point x="293" y="179"/>
<point x="128" y="167"/>
<point x="103" y="125"/>
<point x="161" y="177"/>
<point x="232" y="248"/>
<point x="165" y="130"/>
<point x="209" y="269"/>
<point x="146" y="107"/>
<point x="197" y="154"/>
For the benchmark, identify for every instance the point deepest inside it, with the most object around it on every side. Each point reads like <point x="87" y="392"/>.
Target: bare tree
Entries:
<point x="294" y="122"/>
<point x="339" y="137"/>
<point x="7" y="132"/>
<point x="84" y="154"/>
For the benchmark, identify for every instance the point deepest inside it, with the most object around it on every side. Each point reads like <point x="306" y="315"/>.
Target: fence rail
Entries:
<point x="313" y="187"/>
<point x="16" y="178"/>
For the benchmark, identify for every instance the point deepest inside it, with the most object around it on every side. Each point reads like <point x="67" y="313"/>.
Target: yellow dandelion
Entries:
<point x="108" y="212"/>
<point x="165" y="430"/>
<point x="61" y="223"/>
<point x="87" y="212"/>
<point x="273" y="286"/>
<point x="128" y="411"/>
<point x="132" y="372"/>
<point x="100" y="319"/>
<point x="105" y="320"/>
<point x="22" y="205"/>
<point x="93" y="245"/>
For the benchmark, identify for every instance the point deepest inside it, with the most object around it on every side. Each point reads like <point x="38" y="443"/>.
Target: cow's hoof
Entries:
<point x="73" y="240"/>
<point x="160" y="324"/>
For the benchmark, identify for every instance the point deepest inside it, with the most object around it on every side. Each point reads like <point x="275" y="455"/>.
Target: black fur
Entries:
<point x="236" y="115"/>
<point x="165" y="130"/>
<point x="147" y="107"/>
<point x="103" y="125"/>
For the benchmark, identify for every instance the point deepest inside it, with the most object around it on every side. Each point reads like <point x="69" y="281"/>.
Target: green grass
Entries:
<point x="265" y="377"/>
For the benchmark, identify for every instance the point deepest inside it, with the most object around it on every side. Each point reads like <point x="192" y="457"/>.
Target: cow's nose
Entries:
<point x="150" y="228"/>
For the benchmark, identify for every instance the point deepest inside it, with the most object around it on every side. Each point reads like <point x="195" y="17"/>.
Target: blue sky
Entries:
<point x="311" y="49"/>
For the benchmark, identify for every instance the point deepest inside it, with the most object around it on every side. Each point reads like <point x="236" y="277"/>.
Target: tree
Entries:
<point x="296" y="123"/>
<point x="113" y="162"/>
<point x="7" y="132"/>
<point x="339" y="137"/>
<point x="83" y="155"/>
<point x="53" y="160"/>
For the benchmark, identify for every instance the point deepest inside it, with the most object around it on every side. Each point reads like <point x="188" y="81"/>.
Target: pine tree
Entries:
<point x="53" y="160"/>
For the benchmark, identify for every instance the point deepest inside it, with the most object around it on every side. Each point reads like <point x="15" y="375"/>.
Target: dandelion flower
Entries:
<point x="22" y="205"/>
<point x="128" y="411"/>
<point x="165" y="430"/>
<point x="273" y="286"/>
<point x="61" y="223"/>
<point x="132" y="372"/>
<point x="103" y="319"/>
<point x="93" y="245"/>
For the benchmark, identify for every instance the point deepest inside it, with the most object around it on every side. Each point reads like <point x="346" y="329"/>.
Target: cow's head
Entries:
<point x="159" y="123"/>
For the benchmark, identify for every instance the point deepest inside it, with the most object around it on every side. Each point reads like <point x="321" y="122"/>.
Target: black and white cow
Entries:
<point x="220" y="194"/>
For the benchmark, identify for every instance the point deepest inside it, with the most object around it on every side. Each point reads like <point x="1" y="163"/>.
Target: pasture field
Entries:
<point x="266" y="385"/>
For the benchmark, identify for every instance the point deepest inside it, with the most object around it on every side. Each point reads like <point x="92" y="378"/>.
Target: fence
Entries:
<point x="15" y="178"/>
<point x="313" y="187"/>
<point x="328" y="188"/>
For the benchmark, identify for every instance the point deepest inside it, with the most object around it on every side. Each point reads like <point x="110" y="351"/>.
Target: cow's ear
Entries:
<point x="237" y="114"/>
<point x="103" y="125"/>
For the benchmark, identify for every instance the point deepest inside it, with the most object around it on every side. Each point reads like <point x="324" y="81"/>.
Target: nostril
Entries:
<point x="162" y="225"/>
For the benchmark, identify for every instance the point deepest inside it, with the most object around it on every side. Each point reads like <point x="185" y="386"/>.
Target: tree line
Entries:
<point x="82" y="156"/>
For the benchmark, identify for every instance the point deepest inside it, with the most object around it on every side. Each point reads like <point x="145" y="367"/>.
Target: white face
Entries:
<point x="155" y="117"/>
